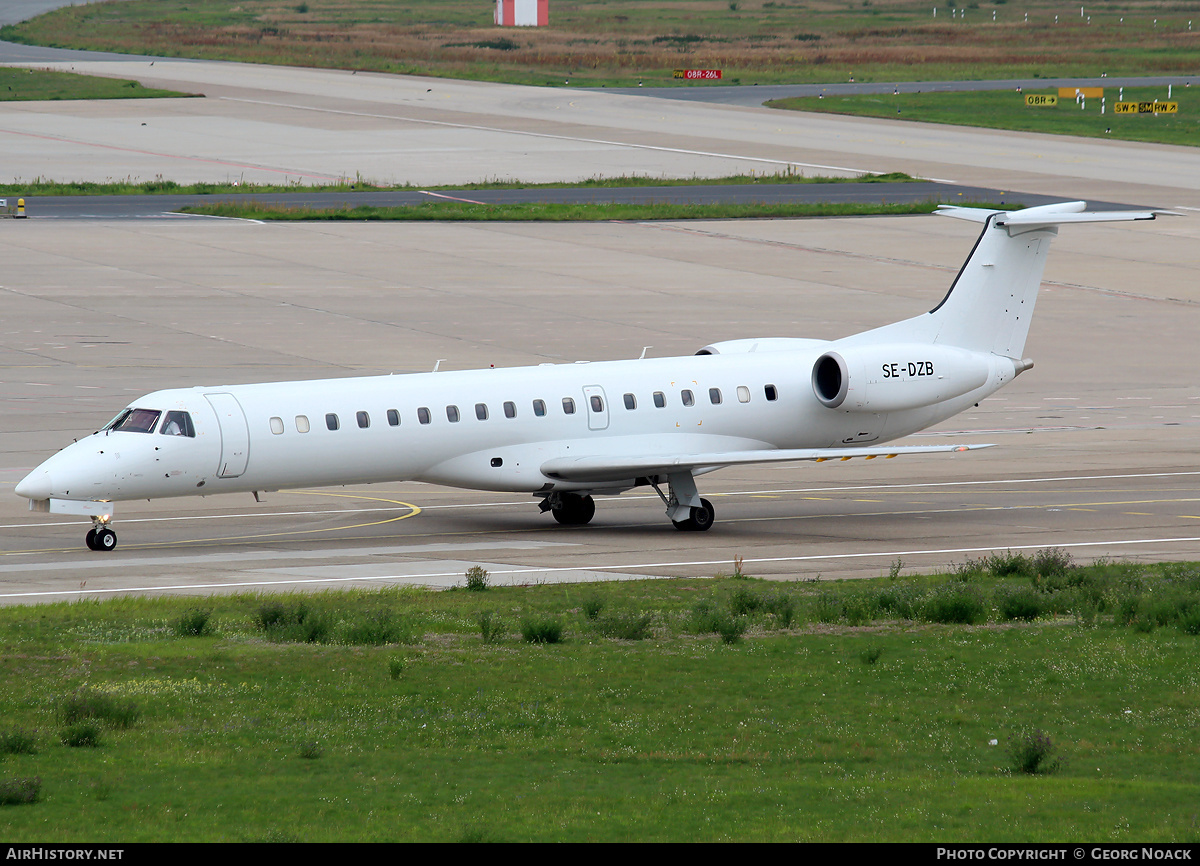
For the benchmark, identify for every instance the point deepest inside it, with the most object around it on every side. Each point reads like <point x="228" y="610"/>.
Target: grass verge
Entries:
<point x="18" y="85"/>
<point x="1007" y="110"/>
<point x="865" y="717"/>
<point x="161" y="186"/>
<point x="546" y="212"/>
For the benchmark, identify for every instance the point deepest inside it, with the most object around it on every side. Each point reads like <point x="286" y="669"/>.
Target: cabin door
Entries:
<point x="597" y="407"/>
<point x="235" y="435"/>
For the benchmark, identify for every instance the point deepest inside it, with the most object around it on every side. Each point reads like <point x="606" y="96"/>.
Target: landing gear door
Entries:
<point x="235" y="435"/>
<point x="597" y="407"/>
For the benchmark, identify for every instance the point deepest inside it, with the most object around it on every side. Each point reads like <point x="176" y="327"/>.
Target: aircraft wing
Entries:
<point x="621" y="467"/>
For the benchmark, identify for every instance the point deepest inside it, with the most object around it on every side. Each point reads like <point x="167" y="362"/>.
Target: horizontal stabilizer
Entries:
<point x="1060" y="213"/>
<point x="1029" y="218"/>
<point x="973" y="214"/>
<point x="619" y="468"/>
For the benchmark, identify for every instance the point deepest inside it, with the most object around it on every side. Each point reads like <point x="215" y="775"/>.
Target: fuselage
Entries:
<point x="488" y="429"/>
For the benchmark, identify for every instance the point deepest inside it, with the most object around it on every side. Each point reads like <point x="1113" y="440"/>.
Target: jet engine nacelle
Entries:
<point x="892" y="378"/>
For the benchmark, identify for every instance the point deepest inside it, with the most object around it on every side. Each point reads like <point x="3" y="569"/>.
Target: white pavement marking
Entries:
<point x="450" y="197"/>
<point x="563" y="574"/>
<point x="216" y="559"/>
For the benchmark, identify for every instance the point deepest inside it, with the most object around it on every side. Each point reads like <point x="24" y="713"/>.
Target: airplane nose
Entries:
<point x="35" y="485"/>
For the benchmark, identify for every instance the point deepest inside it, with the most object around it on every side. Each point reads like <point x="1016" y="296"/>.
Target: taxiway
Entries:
<point x="1097" y="444"/>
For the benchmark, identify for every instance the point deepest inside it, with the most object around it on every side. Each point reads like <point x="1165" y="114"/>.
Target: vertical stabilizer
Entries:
<point x="990" y="305"/>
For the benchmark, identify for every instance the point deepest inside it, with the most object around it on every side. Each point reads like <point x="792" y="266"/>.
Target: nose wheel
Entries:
<point x="101" y="538"/>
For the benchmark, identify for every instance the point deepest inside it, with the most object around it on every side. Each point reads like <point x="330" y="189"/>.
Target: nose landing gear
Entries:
<point x="100" y="537"/>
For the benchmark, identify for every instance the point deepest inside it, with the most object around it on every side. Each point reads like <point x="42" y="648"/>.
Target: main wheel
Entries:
<point x="574" y="510"/>
<point x="701" y="519"/>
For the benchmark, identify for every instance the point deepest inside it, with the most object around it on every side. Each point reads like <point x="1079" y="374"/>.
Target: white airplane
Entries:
<point x="565" y="432"/>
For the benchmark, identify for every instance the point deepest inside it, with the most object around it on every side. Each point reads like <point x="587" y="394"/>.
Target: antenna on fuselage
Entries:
<point x="438" y="364"/>
<point x="645" y="349"/>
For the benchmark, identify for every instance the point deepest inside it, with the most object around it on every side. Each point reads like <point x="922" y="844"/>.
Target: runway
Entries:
<point x="1096" y="446"/>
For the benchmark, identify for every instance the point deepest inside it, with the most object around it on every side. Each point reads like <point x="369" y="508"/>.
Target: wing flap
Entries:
<point x="620" y="467"/>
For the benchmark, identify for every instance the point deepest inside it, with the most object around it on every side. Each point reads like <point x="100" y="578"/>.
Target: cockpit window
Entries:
<point x="135" y="421"/>
<point x="121" y="416"/>
<point x="180" y="424"/>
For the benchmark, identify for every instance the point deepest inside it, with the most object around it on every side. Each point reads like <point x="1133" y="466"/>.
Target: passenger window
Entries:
<point x="539" y="408"/>
<point x="302" y="424"/>
<point x="660" y="399"/>
<point x="136" y="421"/>
<point x="597" y="403"/>
<point x="689" y="399"/>
<point x="481" y="411"/>
<point x="452" y="414"/>
<point x="423" y="415"/>
<point x="180" y="424"/>
<point x="276" y="426"/>
<point x="510" y="409"/>
<point x="332" y="422"/>
<point x="771" y="393"/>
<point x="743" y="394"/>
<point x="568" y="406"/>
<point x="630" y="401"/>
<point x="364" y="420"/>
<point x="393" y="418"/>
<point x="714" y="396"/>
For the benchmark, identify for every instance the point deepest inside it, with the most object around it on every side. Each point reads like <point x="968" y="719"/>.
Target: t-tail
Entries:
<point x="990" y="304"/>
<point x="970" y="344"/>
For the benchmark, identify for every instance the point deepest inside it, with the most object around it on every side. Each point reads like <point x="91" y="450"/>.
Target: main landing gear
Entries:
<point x="570" y="509"/>
<point x="700" y="520"/>
<point x="100" y="537"/>
<point x="687" y="511"/>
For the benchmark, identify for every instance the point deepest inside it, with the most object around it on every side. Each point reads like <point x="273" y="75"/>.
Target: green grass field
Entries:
<point x="40" y="84"/>
<point x="1007" y="110"/>
<point x="1014" y="699"/>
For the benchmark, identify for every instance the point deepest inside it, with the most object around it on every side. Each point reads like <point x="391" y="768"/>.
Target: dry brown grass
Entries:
<point x="623" y="41"/>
